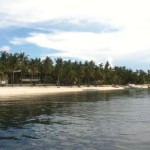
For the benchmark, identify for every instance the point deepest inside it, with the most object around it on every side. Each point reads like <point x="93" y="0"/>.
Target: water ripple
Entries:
<point x="116" y="120"/>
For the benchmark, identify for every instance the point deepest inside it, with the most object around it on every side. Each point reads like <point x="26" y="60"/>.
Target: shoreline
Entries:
<point x="40" y="90"/>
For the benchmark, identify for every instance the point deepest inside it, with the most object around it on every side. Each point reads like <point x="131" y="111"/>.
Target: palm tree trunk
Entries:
<point x="21" y="78"/>
<point x="58" y="80"/>
<point x="31" y="78"/>
<point x="79" y="82"/>
<point x="1" y="76"/>
<point x="88" y="82"/>
<point x="45" y="81"/>
<point x="13" y="76"/>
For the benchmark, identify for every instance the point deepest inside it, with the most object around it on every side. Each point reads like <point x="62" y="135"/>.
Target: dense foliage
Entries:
<point x="18" y="68"/>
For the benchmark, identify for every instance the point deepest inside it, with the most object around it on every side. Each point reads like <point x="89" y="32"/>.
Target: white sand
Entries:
<point x="8" y="91"/>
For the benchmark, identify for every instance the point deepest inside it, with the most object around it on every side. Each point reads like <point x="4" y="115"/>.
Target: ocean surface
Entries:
<point x="112" y="120"/>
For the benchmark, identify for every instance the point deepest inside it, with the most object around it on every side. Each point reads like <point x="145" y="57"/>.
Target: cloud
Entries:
<point x="88" y="45"/>
<point x="84" y="29"/>
<point x="123" y="45"/>
<point x="77" y="25"/>
<point x="82" y="45"/>
<point x="4" y="49"/>
<point x="123" y="13"/>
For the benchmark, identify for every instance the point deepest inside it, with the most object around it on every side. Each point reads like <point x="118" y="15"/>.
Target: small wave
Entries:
<point x="9" y="138"/>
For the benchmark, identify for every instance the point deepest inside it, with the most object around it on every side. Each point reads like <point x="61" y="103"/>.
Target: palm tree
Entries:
<point x="71" y="73"/>
<point x="108" y="73"/>
<point x="1" y="71"/>
<point x="97" y="75"/>
<point x="80" y="72"/>
<point x="148" y="76"/>
<point x="102" y="75"/>
<point x="58" y="68"/>
<point x="13" y="65"/>
<point x="23" y="59"/>
<point x="47" y="67"/>
<point x="142" y="77"/>
<point x="34" y="66"/>
<point x="89" y="71"/>
<point x="3" y="63"/>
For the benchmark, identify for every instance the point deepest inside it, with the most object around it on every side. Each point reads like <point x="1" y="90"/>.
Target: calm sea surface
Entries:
<point x="118" y="120"/>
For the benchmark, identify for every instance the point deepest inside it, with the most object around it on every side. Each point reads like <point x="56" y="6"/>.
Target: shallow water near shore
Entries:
<point x="108" y="120"/>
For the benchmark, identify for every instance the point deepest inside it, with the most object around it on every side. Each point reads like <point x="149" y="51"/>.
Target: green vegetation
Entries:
<point x="18" y="68"/>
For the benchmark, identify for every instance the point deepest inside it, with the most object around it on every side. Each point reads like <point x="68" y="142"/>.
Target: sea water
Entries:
<point x="110" y="120"/>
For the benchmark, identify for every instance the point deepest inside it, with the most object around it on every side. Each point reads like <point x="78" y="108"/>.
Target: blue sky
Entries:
<point x="113" y="30"/>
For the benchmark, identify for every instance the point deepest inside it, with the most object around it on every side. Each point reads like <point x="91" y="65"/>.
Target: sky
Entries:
<point x="117" y="31"/>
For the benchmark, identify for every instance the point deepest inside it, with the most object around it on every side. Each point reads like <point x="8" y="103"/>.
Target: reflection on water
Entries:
<point x="85" y="120"/>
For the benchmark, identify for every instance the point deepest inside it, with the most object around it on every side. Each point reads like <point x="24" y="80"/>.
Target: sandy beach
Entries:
<point x="8" y="91"/>
<point x="36" y="90"/>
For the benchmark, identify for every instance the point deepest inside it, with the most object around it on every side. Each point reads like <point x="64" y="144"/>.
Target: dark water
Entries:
<point x="118" y="120"/>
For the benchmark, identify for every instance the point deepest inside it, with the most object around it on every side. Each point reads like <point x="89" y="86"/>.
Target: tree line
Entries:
<point x="17" y="67"/>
